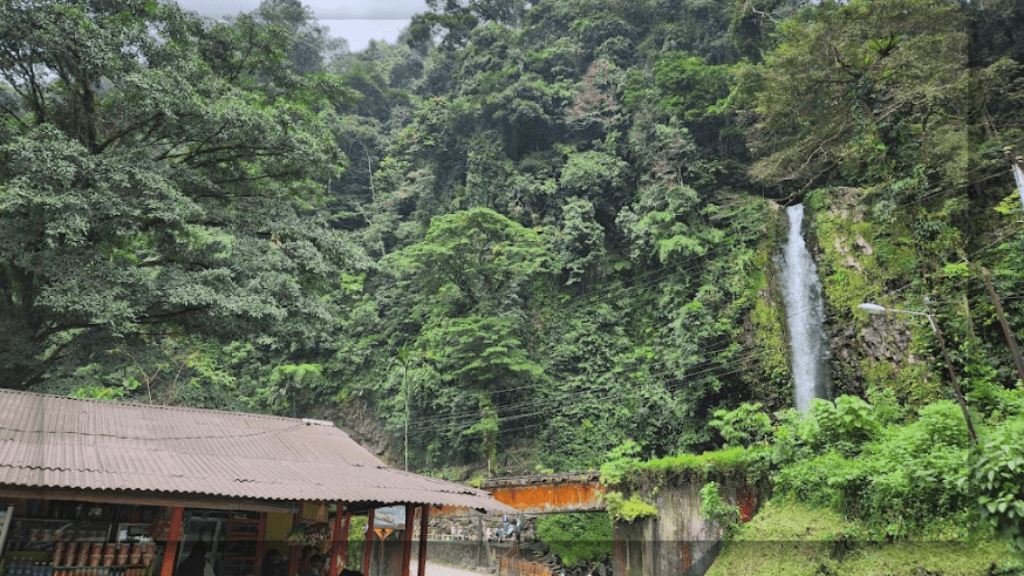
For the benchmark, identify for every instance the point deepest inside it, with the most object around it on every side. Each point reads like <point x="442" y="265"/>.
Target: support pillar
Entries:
<point x="261" y="543"/>
<point x="294" y="550"/>
<point x="422" y="560"/>
<point x="173" y="537"/>
<point x="368" y="550"/>
<point x="410" y="523"/>
<point x="339" y="542"/>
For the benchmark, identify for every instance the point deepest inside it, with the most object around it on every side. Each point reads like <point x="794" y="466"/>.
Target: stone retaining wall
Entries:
<point x="680" y="541"/>
<point x="465" y="553"/>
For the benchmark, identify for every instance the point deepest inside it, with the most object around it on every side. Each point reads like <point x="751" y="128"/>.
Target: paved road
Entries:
<point x="439" y="570"/>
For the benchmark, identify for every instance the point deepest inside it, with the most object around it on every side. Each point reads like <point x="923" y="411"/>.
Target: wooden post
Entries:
<point x="346" y="529"/>
<point x="424" y="520"/>
<point x="410" y="524"/>
<point x="261" y="543"/>
<point x="368" y="549"/>
<point x="295" y="550"/>
<point x="173" y="537"/>
<point x="339" y="541"/>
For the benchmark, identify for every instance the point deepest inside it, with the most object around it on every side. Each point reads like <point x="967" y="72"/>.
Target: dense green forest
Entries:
<point x="524" y="234"/>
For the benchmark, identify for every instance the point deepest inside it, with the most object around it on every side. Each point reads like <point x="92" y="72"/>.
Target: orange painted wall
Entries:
<point x="546" y="497"/>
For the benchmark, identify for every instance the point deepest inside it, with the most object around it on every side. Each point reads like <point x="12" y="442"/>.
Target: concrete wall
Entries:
<point x="679" y="542"/>
<point x="465" y="553"/>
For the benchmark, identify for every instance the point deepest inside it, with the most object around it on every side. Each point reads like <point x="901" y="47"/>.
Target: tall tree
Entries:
<point x="470" y="285"/>
<point x="309" y="45"/>
<point x="881" y="87"/>
<point x="158" y="176"/>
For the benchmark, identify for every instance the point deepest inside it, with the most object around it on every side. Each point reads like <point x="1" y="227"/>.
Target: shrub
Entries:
<point x="850" y="421"/>
<point x="743" y="426"/>
<point x="714" y="508"/>
<point x="577" y="538"/>
<point x="898" y="483"/>
<point x="844" y="425"/>
<point x="997" y="472"/>
<point x="619" y="508"/>
<point x="621" y="460"/>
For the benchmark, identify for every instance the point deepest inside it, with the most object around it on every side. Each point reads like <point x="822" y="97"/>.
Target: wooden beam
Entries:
<point x="368" y="549"/>
<point x="173" y="537"/>
<point x="424" y="523"/>
<point x="410" y="523"/>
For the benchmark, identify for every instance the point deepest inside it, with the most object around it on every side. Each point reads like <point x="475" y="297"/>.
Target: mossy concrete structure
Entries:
<point x="679" y="541"/>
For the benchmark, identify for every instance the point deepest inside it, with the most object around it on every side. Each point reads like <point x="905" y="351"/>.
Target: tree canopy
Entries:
<point x="159" y="176"/>
<point x="539" y="234"/>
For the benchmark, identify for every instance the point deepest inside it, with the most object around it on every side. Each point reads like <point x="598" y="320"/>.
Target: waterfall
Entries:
<point x="805" y="315"/>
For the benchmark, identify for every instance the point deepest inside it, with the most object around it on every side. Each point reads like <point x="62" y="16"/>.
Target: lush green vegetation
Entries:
<point x="788" y="537"/>
<point x="577" y="538"/>
<point x="892" y="474"/>
<point x="532" y="232"/>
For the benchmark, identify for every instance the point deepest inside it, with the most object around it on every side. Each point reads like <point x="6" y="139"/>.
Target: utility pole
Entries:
<point x="1007" y="333"/>
<point x="402" y="358"/>
<point x="952" y="375"/>
<point x="877" y="309"/>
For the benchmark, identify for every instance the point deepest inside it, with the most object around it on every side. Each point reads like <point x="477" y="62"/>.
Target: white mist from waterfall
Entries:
<point x="805" y="315"/>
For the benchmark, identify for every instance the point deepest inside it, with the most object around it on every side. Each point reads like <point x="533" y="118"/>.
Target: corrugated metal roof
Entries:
<point x="56" y="442"/>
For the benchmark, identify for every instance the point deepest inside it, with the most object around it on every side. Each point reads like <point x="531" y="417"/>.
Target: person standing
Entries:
<point x="273" y="564"/>
<point x="195" y="564"/>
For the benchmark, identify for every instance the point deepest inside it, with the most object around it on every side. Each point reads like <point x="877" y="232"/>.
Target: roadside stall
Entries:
<point x="96" y="488"/>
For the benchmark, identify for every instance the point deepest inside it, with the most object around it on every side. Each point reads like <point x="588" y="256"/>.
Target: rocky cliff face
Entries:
<point x="866" y="350"/>
<point x="359" y="420"/>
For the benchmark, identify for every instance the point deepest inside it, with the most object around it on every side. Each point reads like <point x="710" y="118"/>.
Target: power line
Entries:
<point x="650" y="278"/>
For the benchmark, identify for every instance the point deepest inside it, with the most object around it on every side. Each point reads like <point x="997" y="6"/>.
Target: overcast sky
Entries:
<point x="357" y="21"/>
<point x="323" y="9"/>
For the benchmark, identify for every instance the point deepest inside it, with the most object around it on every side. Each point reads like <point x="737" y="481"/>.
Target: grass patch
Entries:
<point x="788" y="538"/>
<point x="632" y="473"/>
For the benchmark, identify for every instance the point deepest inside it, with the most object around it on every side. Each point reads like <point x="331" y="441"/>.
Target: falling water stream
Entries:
<point x="805" y="314"/>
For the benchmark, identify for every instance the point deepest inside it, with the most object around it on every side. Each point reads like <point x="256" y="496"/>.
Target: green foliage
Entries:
<point x="996" y="470"/>
<point x="628" y="510"/>
<point x="620" y="460"/>
<point x="594" y="173"/>
<point x="850" y="421"/>
<point x="861" y="73"/>
<point x="887" y="408"/>
<point x="897" y="480"/>
<point x="790" y="537"/>
<point x="733" y="462"/>
<point x="98" y="393"/>
<point x="845" y="425"/>
<point x="559" y="212"/>
<point x="743" y="426"/>
<point x="625" y="469"/>
<point x="288" y="384"/>
<point x="475" y="259"/>
<point x="659" y="234"/>
<point x="715" y="509"/>
<point x="577" y="538"/>
<point x="161" y="181"/>
<point x="580" y="244"/>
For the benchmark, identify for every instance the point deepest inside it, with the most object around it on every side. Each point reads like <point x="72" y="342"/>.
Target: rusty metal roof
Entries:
<point x="56" y="442"/>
